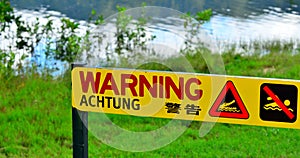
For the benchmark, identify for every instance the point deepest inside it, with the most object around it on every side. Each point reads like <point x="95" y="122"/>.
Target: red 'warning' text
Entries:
<point x="138" y="85"/>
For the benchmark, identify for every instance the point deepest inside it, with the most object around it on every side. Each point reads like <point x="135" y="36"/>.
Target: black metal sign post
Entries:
<point x="79" y="129"/>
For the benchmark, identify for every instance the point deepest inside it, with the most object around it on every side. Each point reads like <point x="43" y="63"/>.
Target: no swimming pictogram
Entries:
<point x="278" y="102"/>
<point x="229" y="104"/>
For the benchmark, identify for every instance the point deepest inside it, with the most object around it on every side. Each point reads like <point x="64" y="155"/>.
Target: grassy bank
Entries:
<point x="35" y="117"/>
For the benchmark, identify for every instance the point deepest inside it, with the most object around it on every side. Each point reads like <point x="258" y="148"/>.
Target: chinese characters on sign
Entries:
<point x="191" y="109"/>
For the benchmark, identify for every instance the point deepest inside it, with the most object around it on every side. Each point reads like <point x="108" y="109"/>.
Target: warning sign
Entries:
<point x="187" y="96"/>
<point x="229" y="104"/>
<point x="278" y="102"/>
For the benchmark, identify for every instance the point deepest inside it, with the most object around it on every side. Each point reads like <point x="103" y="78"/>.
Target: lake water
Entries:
<point x="233" y="20"/>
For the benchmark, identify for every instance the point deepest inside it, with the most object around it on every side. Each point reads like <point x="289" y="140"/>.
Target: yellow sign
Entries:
<point x="188" y="96"/>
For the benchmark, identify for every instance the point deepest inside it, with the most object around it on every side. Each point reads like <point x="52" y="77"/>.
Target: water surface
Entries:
<point x="233" y="20"/>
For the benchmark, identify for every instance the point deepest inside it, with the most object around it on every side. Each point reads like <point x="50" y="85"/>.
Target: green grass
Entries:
<point x="35" y="118"/>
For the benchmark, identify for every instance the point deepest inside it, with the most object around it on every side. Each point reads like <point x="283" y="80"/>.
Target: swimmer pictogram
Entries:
<point x="274" y="105"/>
<point x="278" y="102"/>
